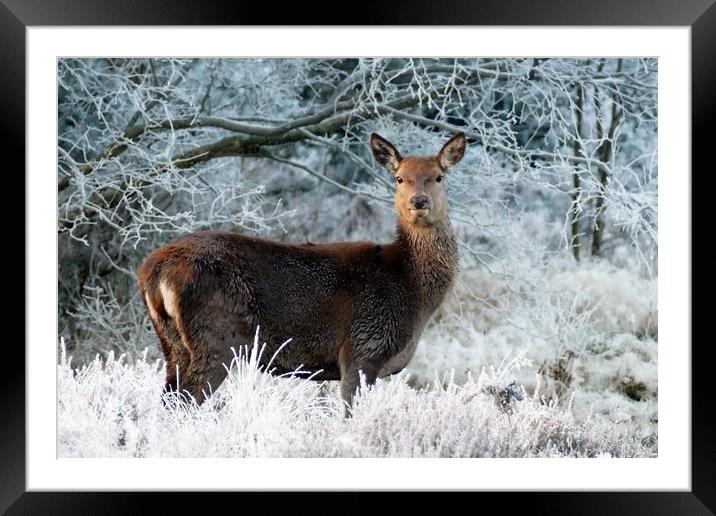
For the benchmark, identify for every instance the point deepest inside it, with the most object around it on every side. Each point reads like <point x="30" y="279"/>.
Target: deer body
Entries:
<point x="347" y="307"/>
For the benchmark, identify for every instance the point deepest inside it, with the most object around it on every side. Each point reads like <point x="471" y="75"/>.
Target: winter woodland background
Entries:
<point x="548" y="345"/>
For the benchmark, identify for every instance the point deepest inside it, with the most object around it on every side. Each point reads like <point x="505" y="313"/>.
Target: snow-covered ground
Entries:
<point x="589" y="388"/>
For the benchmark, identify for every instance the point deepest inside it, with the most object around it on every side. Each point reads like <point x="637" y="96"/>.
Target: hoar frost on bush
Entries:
<point x="589" y="332"/>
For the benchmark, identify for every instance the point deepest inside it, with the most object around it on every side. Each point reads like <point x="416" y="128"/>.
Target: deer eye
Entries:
<point x="438" y="179"/>
<point x="399" y="179"/>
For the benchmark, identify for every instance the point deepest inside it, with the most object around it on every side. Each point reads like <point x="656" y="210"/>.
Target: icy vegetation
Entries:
<point x="591" y="340"/>
<point x="111" y="409"/>
<point x="546" y="347"/>
<point x="577" y="377"/>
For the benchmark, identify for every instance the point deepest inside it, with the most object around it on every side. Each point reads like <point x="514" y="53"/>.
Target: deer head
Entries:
<point x="420" y="196"/>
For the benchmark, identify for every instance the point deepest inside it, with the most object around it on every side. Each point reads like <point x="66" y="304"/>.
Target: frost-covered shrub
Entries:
<point x="109" y="323"/>
<point x="113" y="408"/>
<point x="619" y="299"/>
<point x="589" y="334"/>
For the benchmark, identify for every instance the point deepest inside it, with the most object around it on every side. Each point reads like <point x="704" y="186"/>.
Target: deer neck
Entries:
<point x="431" y="259"/>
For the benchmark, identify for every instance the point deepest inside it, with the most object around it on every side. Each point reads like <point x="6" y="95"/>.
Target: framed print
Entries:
<point x="431" y="251"/>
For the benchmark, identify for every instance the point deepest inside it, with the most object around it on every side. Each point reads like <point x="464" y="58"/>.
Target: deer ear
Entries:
<point x="384" y="152"/>
<point x="453" y="151"/>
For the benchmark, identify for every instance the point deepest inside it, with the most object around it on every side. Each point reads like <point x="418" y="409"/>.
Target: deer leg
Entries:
<point x="350" y="378"/>
<point x="210" y="334"/>
<point x="218" y="367"/>
<point x="210" y="359"/>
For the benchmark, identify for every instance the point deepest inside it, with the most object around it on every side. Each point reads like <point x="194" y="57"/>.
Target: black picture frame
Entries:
<point x="17" y="15"/>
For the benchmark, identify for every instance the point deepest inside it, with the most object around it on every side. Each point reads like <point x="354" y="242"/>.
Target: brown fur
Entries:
<point x="347" y="307"/>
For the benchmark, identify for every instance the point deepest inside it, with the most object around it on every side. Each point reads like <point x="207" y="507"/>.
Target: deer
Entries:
<point x="347" y="308"/>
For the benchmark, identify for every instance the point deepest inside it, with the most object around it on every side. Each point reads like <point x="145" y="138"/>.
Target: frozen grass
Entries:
<point x="113" y="408"/>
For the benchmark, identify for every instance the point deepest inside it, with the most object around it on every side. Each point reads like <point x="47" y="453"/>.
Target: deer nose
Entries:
<point x="419" y="202"/>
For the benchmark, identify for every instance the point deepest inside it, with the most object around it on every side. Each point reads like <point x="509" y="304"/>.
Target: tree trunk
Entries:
<point x="576" y="182"/>
<point x="606" y="155"/>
